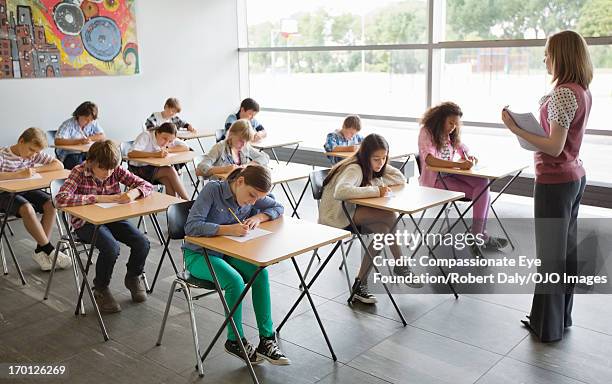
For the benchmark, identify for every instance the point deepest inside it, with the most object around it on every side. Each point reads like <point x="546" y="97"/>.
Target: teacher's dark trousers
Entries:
<point x="556" y="213"/>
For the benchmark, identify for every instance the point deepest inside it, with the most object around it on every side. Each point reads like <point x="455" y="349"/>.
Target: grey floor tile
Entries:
<point x="306" y="367"/>
<point x="349" y="375"/>
<point x="488" y="326"/>
<point x="350" y="332"/>
<point x="582" y="354"/>
<point x="510" y="371"/>
<point x="416" y="356"/>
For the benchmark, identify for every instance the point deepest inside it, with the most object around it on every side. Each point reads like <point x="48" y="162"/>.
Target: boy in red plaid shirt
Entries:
<point x="97" y="180"/>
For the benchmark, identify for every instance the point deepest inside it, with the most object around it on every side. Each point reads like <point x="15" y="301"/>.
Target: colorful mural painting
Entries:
<point x="63" y="38"/>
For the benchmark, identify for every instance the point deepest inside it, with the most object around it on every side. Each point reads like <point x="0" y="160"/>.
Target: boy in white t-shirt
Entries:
<point x="158" y="142"/>
<point x="169" y="115"/>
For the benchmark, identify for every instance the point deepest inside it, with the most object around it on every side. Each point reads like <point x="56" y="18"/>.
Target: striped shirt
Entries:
<point x="10" y="162"/>
<point x="156" y="119"/>
<point x="70" y="129"/>
<point x="81" y="187"/>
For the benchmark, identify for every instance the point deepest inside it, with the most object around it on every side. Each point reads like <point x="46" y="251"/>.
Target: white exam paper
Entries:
<point x="110" y="205"/>
<point x="252" y="234"/>
<point x="33" y="177"/>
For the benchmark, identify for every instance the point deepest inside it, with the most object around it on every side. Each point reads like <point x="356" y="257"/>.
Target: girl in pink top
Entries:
<point x="440" y="146"/>
<point x="560" y="179"/>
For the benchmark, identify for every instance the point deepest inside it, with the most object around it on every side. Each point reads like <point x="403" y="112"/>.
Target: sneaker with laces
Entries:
<point x="361" y="293"/>
<point x="405" y="271"/>
<point x="105" y="300"/>
<point x="43" y="260"/>
<point x="233" y="348"/>
<point x="136" y="287"/>
<point x="63" y="260"/>
<point x="269" y="350"/>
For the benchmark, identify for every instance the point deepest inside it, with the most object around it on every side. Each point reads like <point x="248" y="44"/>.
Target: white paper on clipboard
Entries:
<point x="527" y="122"/>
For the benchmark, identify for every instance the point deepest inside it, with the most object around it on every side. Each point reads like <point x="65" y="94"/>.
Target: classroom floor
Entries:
<point x="475" y="339"/>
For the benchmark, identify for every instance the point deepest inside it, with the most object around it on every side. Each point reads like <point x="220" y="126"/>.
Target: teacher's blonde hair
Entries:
<point x="570" y="58"/>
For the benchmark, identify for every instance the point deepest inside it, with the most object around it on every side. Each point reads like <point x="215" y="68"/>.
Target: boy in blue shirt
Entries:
<point x="248" y="109"/>
<point x="346" y="139"/>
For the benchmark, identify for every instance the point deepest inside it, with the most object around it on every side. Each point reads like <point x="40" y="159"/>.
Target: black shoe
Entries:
<point x="268" y="349"/>
<point x="233" y="348"/>
<point x="495" y="243"/>
<point x="407" y="273"/>
<point x="361" y="293"/>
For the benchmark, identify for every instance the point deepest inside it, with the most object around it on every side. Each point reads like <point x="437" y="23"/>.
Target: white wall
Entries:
<point x="187" y="48"/>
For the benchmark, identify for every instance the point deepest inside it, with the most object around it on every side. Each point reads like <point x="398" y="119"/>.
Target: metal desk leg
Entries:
<point x="367" y="252"/>
<point x="85" y="283"/>
<point x="229" y="313"/>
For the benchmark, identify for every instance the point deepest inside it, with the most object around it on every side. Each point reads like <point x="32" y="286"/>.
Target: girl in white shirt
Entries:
<point x="159" y="142"/>
<point x="365" y="174"/>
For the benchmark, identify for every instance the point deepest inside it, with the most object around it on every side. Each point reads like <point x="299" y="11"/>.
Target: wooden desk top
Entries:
<point x="156" y="202"/>
<point x="283" y="173"/>
<point x="171" y="159"/>
<point x="290" y="237"/>
<point x="76" y="148"/>
<point x="410" y="198"/>
<point x="392" y="154"/>
<point x="274" y="142"/>
<point x="187" y="135"/>
<point x="488" y="171"/>
<point x="16" y="186"/>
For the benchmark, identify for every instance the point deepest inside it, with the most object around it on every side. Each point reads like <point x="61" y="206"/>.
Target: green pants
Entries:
<point x="233" y="274"/>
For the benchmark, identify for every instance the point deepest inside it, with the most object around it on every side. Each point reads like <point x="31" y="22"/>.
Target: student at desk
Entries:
<point x="233" y="207"/>
<point x="159" y="142"/>
<point x="365" y="174"/>
<point x="248" y="109"/>
<point x="170" y="114"/>
<point x="439" y="145"/>
<point x="346" y="139"/>
<point x="81" y="128"/>
<point x="233" y="152"/>
<point x="23" y="160"/>
<point x="98" y="180"/>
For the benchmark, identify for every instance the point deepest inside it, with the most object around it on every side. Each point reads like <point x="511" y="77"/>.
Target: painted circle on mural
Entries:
<point x="90" y="9"/>
<point x="69" y="18"/>
<point x="72" y="45"/>
<point x="111" y="5"/>
<point x="101" y="38"/>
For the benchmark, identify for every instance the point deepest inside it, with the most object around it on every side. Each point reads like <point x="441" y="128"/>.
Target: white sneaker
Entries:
<point x="43" y="260"/>
<point x="63" y="260"/>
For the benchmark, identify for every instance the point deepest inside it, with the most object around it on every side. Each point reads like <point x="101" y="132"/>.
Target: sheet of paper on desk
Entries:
<point x="252" y="234"/>
<point x="33" y="177"/>
<point x="527" y="122"/>
<point x="110" y="205"/>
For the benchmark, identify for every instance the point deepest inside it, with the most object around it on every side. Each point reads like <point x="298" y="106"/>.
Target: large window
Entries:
<point x="389" y="60"/>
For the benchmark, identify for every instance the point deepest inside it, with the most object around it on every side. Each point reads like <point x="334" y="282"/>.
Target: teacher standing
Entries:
<point x="559" y="178"/>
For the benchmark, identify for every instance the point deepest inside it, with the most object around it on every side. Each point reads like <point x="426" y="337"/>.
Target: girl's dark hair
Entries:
<point x="86" y="109"/>
<point x="256" y="176"/>
<point x="166" y="128"/>
<point x="435" y="118"/>
<point x="372" y="143"/>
